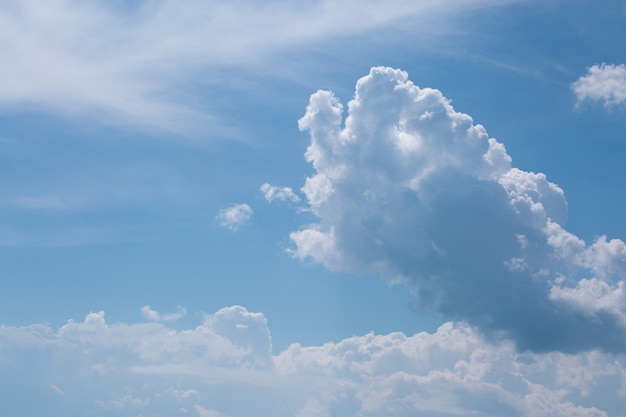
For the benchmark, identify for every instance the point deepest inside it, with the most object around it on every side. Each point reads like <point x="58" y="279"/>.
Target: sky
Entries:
<point x="313" y="209"/>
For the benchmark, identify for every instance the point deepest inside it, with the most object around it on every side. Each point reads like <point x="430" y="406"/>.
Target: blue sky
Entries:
<point x="313" y="208"/>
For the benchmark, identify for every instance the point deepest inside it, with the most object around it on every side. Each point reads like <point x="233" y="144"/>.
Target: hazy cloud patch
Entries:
<point x="235" y="216"/>
<point x="132" y="64"/>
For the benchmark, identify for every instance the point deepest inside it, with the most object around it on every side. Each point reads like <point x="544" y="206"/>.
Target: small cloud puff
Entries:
<point x="604" y="82"/>
<point x="56" y="389"/>
<point x="153" y="315"/>
<point x="203" y="412"/>
<point x="272" y="192"/>
<point x="235" y="216"/>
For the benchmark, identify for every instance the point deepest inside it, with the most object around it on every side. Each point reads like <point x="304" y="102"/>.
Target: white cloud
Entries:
<point x="410" y="189"/>
<point x="209" y="370"/>
<point x="133" y="63"/>
<point x="153" y="315"/>
<point x="273" y="192"/>
<point x="203" y="412"/>
<point x="56" y="389"/>
<point x="235" y="216"/>
<point x="604" y="82"/>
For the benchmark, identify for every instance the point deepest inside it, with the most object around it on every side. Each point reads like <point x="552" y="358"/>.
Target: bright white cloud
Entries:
<point x="153" y="315"/>
<point x="410" y="189"/>
<point x="207" y="370"/>
<point x="604" y="82"/>
<point x="133" y="62"/>
<point x="235" y="216"/>
<point x="272" y="192"/>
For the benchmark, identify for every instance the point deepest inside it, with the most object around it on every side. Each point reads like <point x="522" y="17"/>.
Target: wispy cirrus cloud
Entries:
<point x="138" y="64"/>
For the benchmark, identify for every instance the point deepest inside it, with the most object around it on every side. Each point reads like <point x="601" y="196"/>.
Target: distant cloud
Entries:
<point x="604" y="82"/>
<point x="153" y="315"/>
<point x="272" y="193"/>
<point x="412" y="190"/>
<point x="234" y="216"/>
<point x="56" y="389"/>
<point x="203" y="412"/>
<point x="153" y="369"/>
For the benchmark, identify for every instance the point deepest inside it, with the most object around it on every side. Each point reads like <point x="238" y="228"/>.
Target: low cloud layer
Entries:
<point x="224" y="368"/>
<point x="410" y="189"/>
<point x="605" y="83"/>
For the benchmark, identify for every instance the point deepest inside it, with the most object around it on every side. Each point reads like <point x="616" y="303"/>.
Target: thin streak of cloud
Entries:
<point x="132" y="64"/>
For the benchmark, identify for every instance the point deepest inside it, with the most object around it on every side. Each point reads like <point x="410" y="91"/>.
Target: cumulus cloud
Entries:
<point x="410" y="189"/>
<point x="207" y="370"/>
<point x="133" y="63"/>
<point x="604" y="82"/>
<point x="273" y="192"/>
<point x="235" y="216"/>
<point x="153" y="315"/>
<point x="453" y="371"/>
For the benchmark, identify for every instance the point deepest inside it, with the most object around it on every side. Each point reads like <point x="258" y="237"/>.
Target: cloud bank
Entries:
<point x="224" y="367"/>
<point x="407" y="188"/>
<point x="604" y="82"/>
<point x="235" y="216"/>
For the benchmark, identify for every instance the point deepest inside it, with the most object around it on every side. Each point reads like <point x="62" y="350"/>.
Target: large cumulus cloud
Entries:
<point x="224" y="367"/>
<point x="410" y="189"/>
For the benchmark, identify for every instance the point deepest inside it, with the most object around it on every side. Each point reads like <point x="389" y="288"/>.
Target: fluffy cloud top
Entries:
<point x="604" y="82"/>
<point x="235" y="216"/>
<point x="408" y="188"/>
<point x="224" y="367"/>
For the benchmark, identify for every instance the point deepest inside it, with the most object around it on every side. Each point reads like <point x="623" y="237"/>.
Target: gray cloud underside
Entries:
<point x="408" y="188"/>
